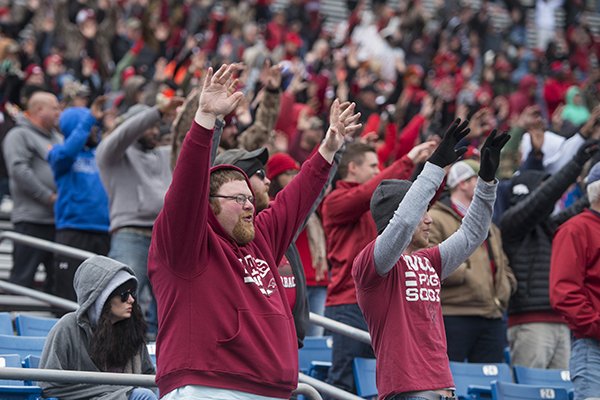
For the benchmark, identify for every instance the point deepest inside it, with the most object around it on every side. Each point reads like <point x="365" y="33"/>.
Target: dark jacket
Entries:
<point x="527" y="231"/>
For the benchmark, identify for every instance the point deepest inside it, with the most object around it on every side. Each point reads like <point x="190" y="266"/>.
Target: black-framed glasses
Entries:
<point x="239" y="198"/>
<point x="125" y="295"/>
<point x="261" y="174"/>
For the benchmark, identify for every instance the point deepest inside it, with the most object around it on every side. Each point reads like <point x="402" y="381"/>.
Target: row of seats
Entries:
<point x="26" y="325"/>
<point x="473" y="381"/>
<point x="20" y="390"/>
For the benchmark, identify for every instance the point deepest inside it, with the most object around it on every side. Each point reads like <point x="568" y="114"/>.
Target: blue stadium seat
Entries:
<point x="10" y="361"/>
<point x="28" y="325"/>
<point x="364" y="377"/>
<point x="316" y="348"/>
<point x="6" y="326"/>
<point x="319" y="369"/>
<point x="479" y="377"/>
<point x="21" y="345"/>
<point x="31" y="361"/>
<point x="20" y="392"/>
<point x="507" y="358"/>
<point x="516" y="391"/>
<point x="544" y="377"/>
<point x="152" y="351"/>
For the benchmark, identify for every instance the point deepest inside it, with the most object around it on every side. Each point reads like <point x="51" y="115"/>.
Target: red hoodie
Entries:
<point x="224" y="318"/>
<point x="349" y="227"/>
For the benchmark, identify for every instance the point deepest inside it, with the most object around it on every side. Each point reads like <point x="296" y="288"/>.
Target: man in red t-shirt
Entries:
<point x="398" y="278"/>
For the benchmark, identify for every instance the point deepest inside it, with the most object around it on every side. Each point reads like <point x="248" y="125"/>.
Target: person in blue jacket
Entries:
<point x="81" y="208"/>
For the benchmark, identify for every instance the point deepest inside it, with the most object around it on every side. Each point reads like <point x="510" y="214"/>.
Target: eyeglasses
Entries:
<point x="125" y="295"/>
<point x="239" y="198"/>
<point x="260" y="174"/>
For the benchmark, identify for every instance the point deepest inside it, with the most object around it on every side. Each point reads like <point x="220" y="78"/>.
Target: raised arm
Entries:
<point x="476" y="224"/>
<point x="182" y="224"/>
<point x="396" y="237"/>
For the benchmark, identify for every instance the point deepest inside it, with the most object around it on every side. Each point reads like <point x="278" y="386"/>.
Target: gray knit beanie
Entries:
<point x="385" y="200"/>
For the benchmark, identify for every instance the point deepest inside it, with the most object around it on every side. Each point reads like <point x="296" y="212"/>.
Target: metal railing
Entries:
<point x="308" y="383"/>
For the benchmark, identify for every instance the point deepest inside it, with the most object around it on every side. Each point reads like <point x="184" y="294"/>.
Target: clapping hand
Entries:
<point x="218" y="95"/>
<point x="342" y="121"/>
<point x="490" y="155"/>
<point x="446" y="154"/>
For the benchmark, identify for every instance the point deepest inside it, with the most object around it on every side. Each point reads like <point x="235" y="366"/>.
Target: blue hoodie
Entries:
<point x="82" y="202"/>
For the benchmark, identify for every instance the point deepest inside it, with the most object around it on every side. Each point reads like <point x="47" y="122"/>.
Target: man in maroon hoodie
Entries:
<point x="226" y="330"/>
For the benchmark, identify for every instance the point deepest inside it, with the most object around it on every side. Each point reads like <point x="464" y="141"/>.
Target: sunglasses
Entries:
<point x="125" y="295"/>
<point x="261" y="174"/>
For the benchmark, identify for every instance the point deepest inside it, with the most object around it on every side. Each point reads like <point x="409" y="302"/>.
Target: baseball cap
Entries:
<point x="248" y="161"/>
<point x="461" y="171"/>
<point x="594" y="174"/>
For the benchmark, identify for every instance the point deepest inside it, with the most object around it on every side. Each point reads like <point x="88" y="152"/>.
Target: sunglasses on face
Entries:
<point x="261" y="174"/>
<point x="125" y="295"/>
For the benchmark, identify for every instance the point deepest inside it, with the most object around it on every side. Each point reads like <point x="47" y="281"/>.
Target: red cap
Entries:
<point x="52" y="59"/>
<point x="292" y="37"/>
<point x="280" y="163"/>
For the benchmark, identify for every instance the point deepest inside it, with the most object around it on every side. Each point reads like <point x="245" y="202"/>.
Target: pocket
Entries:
<point x="264" y="346"/>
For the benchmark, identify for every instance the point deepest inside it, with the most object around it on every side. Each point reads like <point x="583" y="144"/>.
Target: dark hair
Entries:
<point x="355" y="152"/>
<point x="113" y="345"/>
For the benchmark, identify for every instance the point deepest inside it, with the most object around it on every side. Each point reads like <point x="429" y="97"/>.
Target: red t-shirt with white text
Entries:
<point x="404" y="315"/>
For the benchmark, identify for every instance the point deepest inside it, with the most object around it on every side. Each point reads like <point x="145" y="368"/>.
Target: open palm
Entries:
<point x="218" y="95"/>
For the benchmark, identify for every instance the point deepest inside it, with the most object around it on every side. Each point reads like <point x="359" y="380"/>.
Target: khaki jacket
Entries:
<point x="471" y="290"/>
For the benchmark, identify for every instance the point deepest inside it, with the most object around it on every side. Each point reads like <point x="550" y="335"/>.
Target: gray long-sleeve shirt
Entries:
<point x="135" y="179"/>
<point x="396" y="237"/>
<point x="31" y="181"/>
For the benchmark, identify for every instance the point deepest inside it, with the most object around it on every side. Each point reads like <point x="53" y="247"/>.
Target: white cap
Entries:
<point x="460" y="172"/>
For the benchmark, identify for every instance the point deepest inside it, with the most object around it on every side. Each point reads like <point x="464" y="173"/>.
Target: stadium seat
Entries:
<point x="364" y="377"/>
<point x="31" y="361"/>
<point x="479" y="377"/>
<point x="6" y="326"/>
<point x="28" y="325"/>
<point x="10" y="361"/>
<point x="21" y="345"/>
<point x="152" y="351"/>
<point x="538" y="376"/>
<point x="516" y="391"/>
<point x="316" y="348"/>
<point x="507" y="355"/>
<point x="20" y="392"/>
<point x="319" y="369"/>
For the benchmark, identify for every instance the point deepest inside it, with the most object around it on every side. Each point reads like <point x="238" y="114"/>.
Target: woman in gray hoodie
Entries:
<point x="105" y="334"/>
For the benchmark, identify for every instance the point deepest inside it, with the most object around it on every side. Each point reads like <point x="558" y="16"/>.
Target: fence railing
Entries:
<point x="31" y="374"/>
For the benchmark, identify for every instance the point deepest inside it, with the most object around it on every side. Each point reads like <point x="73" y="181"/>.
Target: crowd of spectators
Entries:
<point x="124" y="76"/>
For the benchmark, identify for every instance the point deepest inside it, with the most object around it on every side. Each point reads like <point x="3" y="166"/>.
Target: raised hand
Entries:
<point x="342" y="121"/>
<point x="490" y="155"/>
<point x="421" y="152"/>
<point x="218" y="95"/>
<point x="445" y="154"/>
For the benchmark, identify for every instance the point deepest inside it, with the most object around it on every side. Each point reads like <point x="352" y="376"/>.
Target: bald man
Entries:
<point x="32" y="187"/>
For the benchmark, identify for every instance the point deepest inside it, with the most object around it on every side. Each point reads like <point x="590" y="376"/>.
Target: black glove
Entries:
<point x="490" y="155"/>
<point x="445" y="154"/>
<point x="586" y="151"/>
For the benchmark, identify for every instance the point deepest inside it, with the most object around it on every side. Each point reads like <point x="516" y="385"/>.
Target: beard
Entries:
<point x="261" y="201"/>
<point x="243" y="231"/>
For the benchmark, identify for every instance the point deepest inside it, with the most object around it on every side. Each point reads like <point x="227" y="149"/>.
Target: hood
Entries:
<point x="69" y="119"/>
<point x="93" y="276"/>
<point x="571" y="93"/>
<point x="212" y="219"/>
<point x="524" y="183"/>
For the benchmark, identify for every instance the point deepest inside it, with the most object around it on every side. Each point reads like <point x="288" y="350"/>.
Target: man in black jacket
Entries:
<point x="537" y="335"/>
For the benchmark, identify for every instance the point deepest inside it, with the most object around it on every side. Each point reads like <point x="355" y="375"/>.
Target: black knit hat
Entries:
<point x="385" y="200"/>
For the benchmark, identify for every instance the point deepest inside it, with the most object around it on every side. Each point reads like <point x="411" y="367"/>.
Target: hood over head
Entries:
<point x="94" y="281"/>
<point x="70" y="118"/>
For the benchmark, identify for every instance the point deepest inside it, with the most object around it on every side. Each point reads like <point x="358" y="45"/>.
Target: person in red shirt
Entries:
<point x="574" y="289"/>
<point x="398" y="277"/>
<point x="348" y="228"/>
<point x="226" y="329"/>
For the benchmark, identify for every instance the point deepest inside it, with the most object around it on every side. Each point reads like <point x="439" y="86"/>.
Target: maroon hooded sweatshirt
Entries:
<point x="223" y="314"/>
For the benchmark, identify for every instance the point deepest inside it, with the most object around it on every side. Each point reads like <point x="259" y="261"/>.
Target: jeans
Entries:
<point x="345" y="349"/>
<point x="540" y="345"/>
<point x="475" y="339"/>
<point x="316" y="303"/>
<point x="585" y="368"/>
<point x="132" y="250"/>
<point x="142" y="394"/>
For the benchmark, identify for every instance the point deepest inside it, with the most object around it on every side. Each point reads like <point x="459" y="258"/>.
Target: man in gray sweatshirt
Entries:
<point x="136" y="173"/>
<point x="32" y="184"/>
